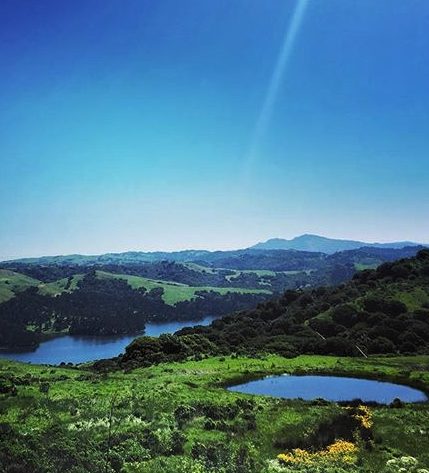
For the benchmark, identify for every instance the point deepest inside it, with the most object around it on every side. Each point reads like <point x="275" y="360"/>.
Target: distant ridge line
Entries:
<point x="317" y="243"/>
<point x="306" y="243"/>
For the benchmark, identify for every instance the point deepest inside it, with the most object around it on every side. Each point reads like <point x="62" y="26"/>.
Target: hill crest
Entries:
<point x="317" y="243"/>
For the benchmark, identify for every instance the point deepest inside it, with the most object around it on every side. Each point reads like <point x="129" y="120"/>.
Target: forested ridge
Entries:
<point x="105" y="306"/>
<point x="381" y="311"/>
<point x="38" y="300"/>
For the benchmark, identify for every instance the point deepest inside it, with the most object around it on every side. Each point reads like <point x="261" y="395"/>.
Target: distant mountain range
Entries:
<point x="304" y="243"/>
<point x="322" y="244"/>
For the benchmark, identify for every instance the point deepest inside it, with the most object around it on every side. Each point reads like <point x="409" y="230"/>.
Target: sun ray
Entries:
<point x="274" y="85"/>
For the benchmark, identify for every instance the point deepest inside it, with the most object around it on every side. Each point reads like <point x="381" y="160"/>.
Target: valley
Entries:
<point x="117" y="295"/>
<point x="313" y="378"/>
<point x="214" y="245"/>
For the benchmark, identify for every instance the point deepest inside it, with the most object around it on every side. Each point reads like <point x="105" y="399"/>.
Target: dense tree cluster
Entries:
<point x="111" y="307"/>
<point x="367" y="315"/>
<point x="104" y="306"/>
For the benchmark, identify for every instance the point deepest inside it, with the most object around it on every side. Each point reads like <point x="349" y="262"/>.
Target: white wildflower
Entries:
<point x="409" y="461"/>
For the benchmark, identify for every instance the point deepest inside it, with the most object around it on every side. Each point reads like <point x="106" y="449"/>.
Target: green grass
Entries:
<point x="57" y="287"/>
<point x="176" y="292"/>
<point x="413" y="298"/>
<point x="264" y="272"/>
<point x="11" y="283"/>
<point x="362" y="266"/>
<point x="79" y="401"/>
<point x="258" y="272"/>
<point x="200" y="268"/>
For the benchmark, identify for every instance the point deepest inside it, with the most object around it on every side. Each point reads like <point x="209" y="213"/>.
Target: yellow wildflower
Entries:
<point x="364" y="416"/>
<point x="340" y="451"/>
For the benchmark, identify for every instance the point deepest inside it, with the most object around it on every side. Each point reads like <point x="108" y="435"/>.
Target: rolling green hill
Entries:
<point x="382" y="311"/>
<point x="175" y="292"/>
<point x="116" y="299"/>
<point x="104" y="303"/>
<point x="12" y="283"/>
<point x="61" y="285"/>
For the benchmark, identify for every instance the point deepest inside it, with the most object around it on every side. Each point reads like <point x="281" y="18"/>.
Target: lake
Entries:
<point x="331" y="388"/>
<point x="79" y="349"/>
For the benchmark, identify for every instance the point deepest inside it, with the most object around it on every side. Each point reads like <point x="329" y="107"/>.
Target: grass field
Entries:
<point x="57" y="287"/>
<point x="264" y="272"/>
<point x="176" y="292"/>
<point x="200" y="268"/>
<point x="363" y="266"/>
<point x="77" y="405"/>
<point x="11" y="283"/>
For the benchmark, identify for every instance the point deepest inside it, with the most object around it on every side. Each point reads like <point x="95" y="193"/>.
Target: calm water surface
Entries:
<point x="331" y="388"/>
<point x="79" y="349"/>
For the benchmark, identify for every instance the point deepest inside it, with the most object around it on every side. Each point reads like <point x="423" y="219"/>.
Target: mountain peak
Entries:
<point x="312" y="242"/>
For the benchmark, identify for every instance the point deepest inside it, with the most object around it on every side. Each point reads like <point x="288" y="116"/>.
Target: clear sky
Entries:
<point x="166" y="124"/>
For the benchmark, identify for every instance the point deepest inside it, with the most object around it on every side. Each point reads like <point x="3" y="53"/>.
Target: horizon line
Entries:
<point x="7" y="258"/>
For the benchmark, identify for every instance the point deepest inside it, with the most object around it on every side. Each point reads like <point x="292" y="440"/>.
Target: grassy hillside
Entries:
<point x="380" y="311"/>
<point x="62" y="285"/>
<point x="178" y="417"/>
<point x="339" y="320"/>
<point x="12" y="282"/>
<point x="103" y="303"/>
<point x="176" y="292"/>
<point x="272" y="270"/>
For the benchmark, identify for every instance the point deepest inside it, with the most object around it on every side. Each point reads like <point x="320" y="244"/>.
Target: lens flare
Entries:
<point x="274" y="85"/>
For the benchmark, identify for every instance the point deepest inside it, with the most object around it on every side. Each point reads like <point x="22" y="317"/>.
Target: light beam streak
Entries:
<point x="274" y="85"/>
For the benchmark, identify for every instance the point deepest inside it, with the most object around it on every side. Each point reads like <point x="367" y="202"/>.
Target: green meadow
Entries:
<point x="175" y="292"/>
<point x="12" y="282"/>
<point x="179" y="417"/>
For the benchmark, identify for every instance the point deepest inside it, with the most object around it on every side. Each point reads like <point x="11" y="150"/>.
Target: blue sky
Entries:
<point x="137" y="124"/>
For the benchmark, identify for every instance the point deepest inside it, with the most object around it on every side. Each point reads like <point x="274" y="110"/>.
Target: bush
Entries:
<point x="381" y="345"/>
<point x="345" y="314"/>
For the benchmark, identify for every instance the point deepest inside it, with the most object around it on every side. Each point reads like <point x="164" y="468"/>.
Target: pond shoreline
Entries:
<point x="344" y="373"/>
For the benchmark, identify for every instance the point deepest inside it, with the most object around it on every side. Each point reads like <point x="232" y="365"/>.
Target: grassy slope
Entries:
<point x="363" y="266"/>
<point x="237" y="272"/>
<point x="158" y="390"/>
<point x="413" y="297"/>
<point x="200" y="268"/>
<point x="175" y="292"/>
<point x="11" y="282"/>
<point x="57" y="287"/>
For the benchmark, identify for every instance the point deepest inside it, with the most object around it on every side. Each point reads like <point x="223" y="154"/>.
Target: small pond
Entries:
<point x="331" y="388"/>
<point x="80" y="349"/>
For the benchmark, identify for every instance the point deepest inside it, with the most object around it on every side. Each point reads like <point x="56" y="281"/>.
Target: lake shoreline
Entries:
<point x="57" y="348"/>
